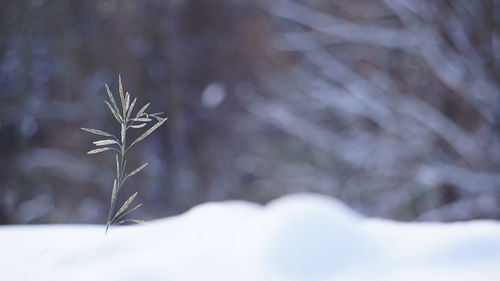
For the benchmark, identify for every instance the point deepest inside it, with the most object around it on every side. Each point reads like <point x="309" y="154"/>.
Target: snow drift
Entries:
<point x="298" y="237"/>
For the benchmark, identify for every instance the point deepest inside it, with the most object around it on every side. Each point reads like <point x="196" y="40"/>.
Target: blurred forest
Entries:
<point x="391" y="106"/>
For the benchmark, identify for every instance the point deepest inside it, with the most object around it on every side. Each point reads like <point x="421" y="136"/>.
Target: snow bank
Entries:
<point x="295" y="238"/>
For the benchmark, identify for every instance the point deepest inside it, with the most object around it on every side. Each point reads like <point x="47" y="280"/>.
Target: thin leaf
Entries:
<point x="142" y="110"/>
<point x="141" y="119"/>
<point x="149" y="131"/>
<point x="114" y="192"/>
<point x="111" y="98"/>
<point x="130" y="220"/>
<point x="115" y="114"/>
<point x="137" y="170"/>
<point x="159" y="118"/>
<point x="126" y="204"/>
<point x="117" y="167"/>
<point x="127" y="103"/>
<point x="131" y="108"/>
<point x="155" y="114"/>
<point x="126" y="213"/>
<point x="97" y="132"/>
<point x="99" y="150"/>
<point x="104" y="142"/>
<point x="120" y="90"/>
<point x="138" y="126"/>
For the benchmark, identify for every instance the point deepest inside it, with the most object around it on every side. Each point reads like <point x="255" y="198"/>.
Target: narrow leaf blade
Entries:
<point x="131" y="108"/>
<point x="127" y="103"/>
<point x="149" y="131"/>
<point x="137" y="170"/>
<point x="99" y="150"/>
<point x="138" y="126"/>
<point x="120" y="90"/>
<point x="115" y="114"/>
<point x="141" y="111"/>
<point x="105" y="142"/>
<point x="126" y="204"/>
<point x="155" y="114"/>
<point x="141" y="119"/>
<point x="97" y="132"/>
<point x="117" y="167"/>
<point x="114" y="192"/>
<point x="126" y="213"/>
<point x="111" y="98"/>
<point x="130" y="220"/>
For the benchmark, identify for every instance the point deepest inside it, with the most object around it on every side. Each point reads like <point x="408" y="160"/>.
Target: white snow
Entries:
<point x="302" y="237"/>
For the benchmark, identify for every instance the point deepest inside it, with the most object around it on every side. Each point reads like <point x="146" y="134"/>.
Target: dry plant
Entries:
<point x="119" y="145"/>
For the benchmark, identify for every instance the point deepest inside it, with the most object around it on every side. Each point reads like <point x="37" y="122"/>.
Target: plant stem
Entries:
<point x="121" y="173"/>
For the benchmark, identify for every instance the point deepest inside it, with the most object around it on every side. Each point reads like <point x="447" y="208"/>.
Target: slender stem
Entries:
<point x="121" y="173"/>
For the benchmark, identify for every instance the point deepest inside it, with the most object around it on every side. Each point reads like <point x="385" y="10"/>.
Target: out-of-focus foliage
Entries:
<point x="391" y="106"/>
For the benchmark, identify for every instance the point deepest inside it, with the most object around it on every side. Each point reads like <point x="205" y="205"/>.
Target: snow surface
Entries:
<point x="298" y="237"/>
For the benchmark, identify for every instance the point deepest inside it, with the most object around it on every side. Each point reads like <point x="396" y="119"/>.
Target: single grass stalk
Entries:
<point x="123" y="114"/>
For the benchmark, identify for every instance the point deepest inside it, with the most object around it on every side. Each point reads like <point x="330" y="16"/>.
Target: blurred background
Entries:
<point x="392" y="106"/>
